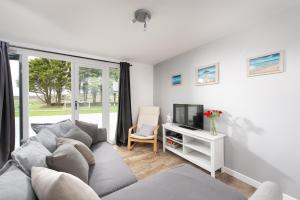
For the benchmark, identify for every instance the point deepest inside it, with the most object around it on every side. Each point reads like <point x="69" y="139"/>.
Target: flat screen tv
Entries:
<point x="188" y="116"/>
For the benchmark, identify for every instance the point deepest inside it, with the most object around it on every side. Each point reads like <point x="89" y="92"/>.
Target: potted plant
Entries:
<point x="212" y="116"/>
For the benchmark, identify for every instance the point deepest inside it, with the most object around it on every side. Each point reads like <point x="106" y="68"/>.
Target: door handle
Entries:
<point x="76" y="105"/>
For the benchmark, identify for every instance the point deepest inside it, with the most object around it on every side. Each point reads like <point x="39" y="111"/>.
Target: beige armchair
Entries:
<point x="148" y="115"/>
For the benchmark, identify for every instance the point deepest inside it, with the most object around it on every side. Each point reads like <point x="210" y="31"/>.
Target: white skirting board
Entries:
<point x="250" y="181"/>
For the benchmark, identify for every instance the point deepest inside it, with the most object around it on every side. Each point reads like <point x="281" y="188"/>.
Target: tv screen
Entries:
<point x="188" y="115"/>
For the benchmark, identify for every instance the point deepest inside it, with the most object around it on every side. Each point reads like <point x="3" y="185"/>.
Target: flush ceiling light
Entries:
<point x="142" y="16"/>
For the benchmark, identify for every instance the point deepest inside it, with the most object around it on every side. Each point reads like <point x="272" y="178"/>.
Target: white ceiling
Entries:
<point x="103" y="28"/>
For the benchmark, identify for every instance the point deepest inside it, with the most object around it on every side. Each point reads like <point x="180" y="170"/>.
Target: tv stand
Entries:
<point x="187" y="127"/>
<point x="196" y="146"/>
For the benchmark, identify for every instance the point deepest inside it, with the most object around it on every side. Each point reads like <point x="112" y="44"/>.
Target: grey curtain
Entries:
<point x="7" y="110"/>
<point x="124" y="112"/>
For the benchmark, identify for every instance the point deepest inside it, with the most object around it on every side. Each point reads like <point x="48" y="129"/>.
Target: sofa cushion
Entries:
<point x="59" y="128"/>
<point x="47" y="138"/>
<point x="184" y="182"/>
<point x="52" y="185"/>
<point x="30" y="154"/>
<point x="78" y="134"/>
<point x="82" y="148"/>
<point x="68" y="159"/>
<point x="110" y="173"/>
<point x="89" y="128"/>
<point x="15" y="184"/>
<point x="97" y="134"/>
<point x="101" y="135"/>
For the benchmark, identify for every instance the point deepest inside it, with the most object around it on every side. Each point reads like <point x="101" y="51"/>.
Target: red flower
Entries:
<point x="208" y="114"/>
<point x="212" y="113"/>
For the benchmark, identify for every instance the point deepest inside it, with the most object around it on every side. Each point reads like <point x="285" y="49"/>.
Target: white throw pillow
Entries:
<point x="52" y="185"/>
<point x="146" y="130"/>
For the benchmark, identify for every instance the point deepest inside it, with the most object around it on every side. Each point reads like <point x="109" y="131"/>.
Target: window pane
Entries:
<point x="49" y="90"/>
<point x="90" y="95"/>
<point x="114" y="77"/>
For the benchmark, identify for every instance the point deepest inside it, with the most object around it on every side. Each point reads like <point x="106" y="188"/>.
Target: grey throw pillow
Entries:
<point x="30" y="154"/>
<point x="15" y="184"/>
<point x="59" y="128"/>
<point x="52" y="185"/>
<point x="66" y="158"/>
<point x="47" y="138"/>
<point x="92" y="130"/>
<point x="82" y="148"/>
<point x="77" y="134"/>
<point x="146" y="130"/>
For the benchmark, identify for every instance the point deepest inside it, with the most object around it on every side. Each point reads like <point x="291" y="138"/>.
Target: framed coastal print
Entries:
<point x="269" y="63"/>
<point x="207" y="75"/>
<point x="176" y="79"/>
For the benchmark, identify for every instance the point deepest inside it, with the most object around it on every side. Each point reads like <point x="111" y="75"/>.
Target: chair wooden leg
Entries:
<point x="129" y="144"/>
<point x="132" y="146"/>
<point x="155" y="147"/>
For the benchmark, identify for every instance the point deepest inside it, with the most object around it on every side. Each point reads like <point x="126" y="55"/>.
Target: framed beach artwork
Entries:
<point x="176" y="79"/>
<point x="207" y="75"/>
<point x="269" y="63"/>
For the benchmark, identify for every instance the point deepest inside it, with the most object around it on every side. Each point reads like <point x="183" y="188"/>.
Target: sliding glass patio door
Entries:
<point x="89" y="101"/>
<point x="96" y="96"/>
<point x="56" y="88"/>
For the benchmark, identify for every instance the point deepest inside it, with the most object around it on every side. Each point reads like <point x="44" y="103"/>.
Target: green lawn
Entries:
<point x="43" y="110"/>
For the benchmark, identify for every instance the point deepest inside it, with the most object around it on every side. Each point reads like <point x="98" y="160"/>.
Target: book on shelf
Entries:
<point x="173" y="144"/>
<point x="175" y="139"/>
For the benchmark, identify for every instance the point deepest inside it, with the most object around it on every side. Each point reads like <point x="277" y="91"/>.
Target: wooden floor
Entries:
<point x="143" y="163"/>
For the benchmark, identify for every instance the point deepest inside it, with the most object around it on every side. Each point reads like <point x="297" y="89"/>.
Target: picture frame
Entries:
<point x="176" y="79"/>
<point x="207" y="75"/>
<point x="268" y="63"/>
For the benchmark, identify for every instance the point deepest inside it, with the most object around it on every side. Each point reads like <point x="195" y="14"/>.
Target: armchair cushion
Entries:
<point x="146" y="130"/>
<point x="142" y="137"/>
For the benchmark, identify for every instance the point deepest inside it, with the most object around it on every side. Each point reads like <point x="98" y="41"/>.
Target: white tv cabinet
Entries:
<point x="197" y="146"/>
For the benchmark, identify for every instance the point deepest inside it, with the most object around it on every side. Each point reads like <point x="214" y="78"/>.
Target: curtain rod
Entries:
<point x="63" y="54"/>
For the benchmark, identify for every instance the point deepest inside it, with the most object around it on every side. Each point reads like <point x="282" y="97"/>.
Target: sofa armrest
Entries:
<point x="267" y="191"/>
<point x="101" y="135"/>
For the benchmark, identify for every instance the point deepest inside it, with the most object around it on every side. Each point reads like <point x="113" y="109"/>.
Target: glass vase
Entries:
<point x="213" y="129"/>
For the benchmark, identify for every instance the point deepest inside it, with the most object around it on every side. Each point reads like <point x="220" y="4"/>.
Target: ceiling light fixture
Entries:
<point x="142" y="16"/>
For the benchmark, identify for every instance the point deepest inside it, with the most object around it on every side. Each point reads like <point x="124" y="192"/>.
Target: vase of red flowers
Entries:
<point x="212" y="116"/>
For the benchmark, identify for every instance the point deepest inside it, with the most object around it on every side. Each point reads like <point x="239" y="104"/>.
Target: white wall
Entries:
<point x="261" y="117"/>
<point x="141" y="83"/>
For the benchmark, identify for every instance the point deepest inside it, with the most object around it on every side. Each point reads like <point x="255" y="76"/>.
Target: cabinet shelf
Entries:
<point x="178" y="151"/>
<point x="197" y="146"/>
<point x="197" y="158"/>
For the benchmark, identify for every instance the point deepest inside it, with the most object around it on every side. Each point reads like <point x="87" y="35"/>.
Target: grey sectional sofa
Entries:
<point x="112" y="179"/>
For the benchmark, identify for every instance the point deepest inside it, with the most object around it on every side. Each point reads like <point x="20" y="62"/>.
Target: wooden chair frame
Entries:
<point x="149" y="141"/>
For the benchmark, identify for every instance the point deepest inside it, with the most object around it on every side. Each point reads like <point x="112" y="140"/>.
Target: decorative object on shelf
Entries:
<point x="169" y="118"/>
<point x="176" y="79"/>
<point x="212" y="116"/>
<point x="269" y="63"/>
<point x="207" y="75"/>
